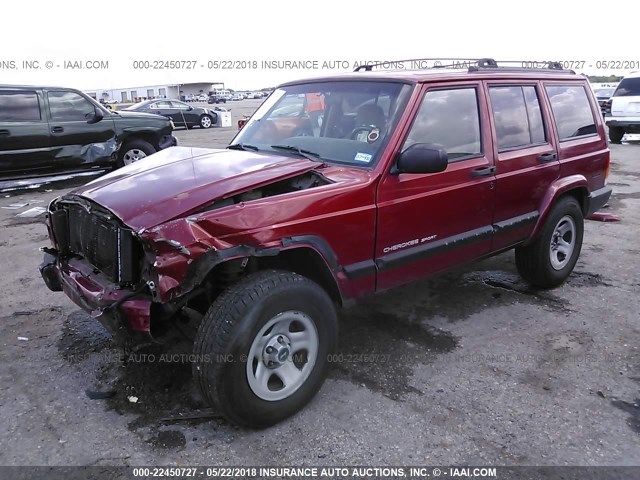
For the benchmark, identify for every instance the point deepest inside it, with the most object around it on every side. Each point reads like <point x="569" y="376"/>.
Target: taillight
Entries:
<point x="607" y="167"/>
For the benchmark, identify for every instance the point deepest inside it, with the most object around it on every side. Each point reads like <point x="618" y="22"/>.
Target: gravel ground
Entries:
<point x="474" y="367"/>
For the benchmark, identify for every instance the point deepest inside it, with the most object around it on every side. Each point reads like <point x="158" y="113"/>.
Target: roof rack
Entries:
<point x="475" y="65"/>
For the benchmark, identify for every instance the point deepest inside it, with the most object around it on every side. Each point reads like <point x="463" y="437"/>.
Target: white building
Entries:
<point x="136" y="94"/>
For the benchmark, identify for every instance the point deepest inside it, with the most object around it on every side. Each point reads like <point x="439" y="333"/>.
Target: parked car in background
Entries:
<point x="602" y="95"/>
<point x="191" y="98"/>
<point x="45" y="130"/>
<point x="415" y="174"/>
<point x="180" y="113"/>
<point x="623" y="108"/>
<point x="215" y="98"/>
<point x="237" y="96"/>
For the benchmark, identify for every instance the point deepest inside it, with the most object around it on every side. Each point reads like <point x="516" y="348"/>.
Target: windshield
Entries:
<point x="335" y="122"/>
<point x="136" y="106"/>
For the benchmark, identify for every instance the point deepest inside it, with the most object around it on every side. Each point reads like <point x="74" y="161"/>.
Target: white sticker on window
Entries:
<point x="362" y="157"/>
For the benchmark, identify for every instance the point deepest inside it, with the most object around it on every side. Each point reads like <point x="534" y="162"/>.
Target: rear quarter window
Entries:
<point x="571" y="111"/>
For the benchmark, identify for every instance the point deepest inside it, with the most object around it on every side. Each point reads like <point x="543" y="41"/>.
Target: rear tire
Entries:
<point x="616" y="134"/>
<point x="261" y="349"/>
<point x="550" y="259"/>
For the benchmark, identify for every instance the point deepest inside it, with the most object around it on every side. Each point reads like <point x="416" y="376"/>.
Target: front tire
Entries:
<point x="550" y="259"/>
<point x="134" y="150"/>
<point x="616" y="134"/>
<point x="206" y="121"/>
<point x="261" y="349"/>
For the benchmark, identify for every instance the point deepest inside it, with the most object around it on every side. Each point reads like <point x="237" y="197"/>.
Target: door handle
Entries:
<point x="57" y="130"/>
<point x="547" y="157"/>
<point x="482" y="172"/>
<point x="5" y="133"/>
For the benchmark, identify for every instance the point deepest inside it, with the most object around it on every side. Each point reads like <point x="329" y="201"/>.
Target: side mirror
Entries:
<point x="97" y="116"/>
<point x="422" y="158"/>
<point x="190" y="108"/>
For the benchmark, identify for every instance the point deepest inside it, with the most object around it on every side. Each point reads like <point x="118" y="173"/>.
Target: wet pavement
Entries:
<point x="473" y="366"/>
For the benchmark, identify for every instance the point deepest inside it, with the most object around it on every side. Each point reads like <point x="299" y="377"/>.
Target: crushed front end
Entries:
<point x="99" y="264"/>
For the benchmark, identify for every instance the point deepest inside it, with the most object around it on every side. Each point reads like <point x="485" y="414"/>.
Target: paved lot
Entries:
<point x="217" y="137"/>
<point x="479" y="368"/>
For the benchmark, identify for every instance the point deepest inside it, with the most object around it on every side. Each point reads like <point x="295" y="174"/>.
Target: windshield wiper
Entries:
<point x="243" y="146"/>
<point x="313" y="156"/>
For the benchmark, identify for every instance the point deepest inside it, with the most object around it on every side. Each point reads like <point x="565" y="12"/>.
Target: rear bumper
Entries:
<point x="623" y="122"/>
<point x="112" y="306"/>
<point x="597" y="199"/>
<point x="168" y="141"/>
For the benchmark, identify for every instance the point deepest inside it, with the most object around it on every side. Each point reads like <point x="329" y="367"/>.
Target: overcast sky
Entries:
<point x="121" y="32"/>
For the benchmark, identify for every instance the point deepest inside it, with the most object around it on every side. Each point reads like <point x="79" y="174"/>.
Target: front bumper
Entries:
<point x="597" y="199"/>
<point x="111" y="305"/>
<point x="168" y="141"/>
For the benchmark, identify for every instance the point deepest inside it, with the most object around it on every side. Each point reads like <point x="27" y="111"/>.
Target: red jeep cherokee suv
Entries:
<point x="335" y="188"/>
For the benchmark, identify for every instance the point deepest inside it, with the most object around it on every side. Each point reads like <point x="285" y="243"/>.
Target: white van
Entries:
<point x="226" y="94"/>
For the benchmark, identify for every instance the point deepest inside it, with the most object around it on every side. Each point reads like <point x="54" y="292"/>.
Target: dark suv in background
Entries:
<point x="45" y="130"/>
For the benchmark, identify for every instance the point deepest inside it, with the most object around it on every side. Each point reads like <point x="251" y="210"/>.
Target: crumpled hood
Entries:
<point x="179" y="180"/>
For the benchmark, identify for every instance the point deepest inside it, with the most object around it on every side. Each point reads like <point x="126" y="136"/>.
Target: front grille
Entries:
<point x="98" y="238"/>
<point x="95" y="239"/>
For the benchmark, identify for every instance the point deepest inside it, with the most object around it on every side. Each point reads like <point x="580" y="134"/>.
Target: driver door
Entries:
<point x="164" y="108"/>
<point x="75" y="143"/>
<point x="184" y="113"/>
<point x="430" y="222"/>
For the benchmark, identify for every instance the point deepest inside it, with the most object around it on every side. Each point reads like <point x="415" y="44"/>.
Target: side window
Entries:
<point x="451" y="119"/>
<point x="517" y="116"/>
<point x="69" y="107"/>
<point x="179" y="105"/>
<point x="160" y="105"/>
<point x="571" y="110"/>
<point x="19" y="106"/>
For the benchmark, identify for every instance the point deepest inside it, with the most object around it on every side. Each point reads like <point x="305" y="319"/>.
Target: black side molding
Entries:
<point x="420" y="252"/>
<point x="515" y="222"/>
<point x="360" y="269"/>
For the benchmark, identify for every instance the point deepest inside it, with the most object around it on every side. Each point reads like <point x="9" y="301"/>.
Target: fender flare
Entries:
<point x="198" y="270"/>
<point x="555" y="191"/>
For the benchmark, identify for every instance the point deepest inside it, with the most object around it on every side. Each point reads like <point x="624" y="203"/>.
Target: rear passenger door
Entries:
<point x="527" y="159"/>
<point x="24" y="133"/>
<point x="430" y="222"/>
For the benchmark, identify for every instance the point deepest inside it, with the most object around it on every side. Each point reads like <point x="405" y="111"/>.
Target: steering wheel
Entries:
<point x="302" y="132"/>
<point x="364" y="128"/>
